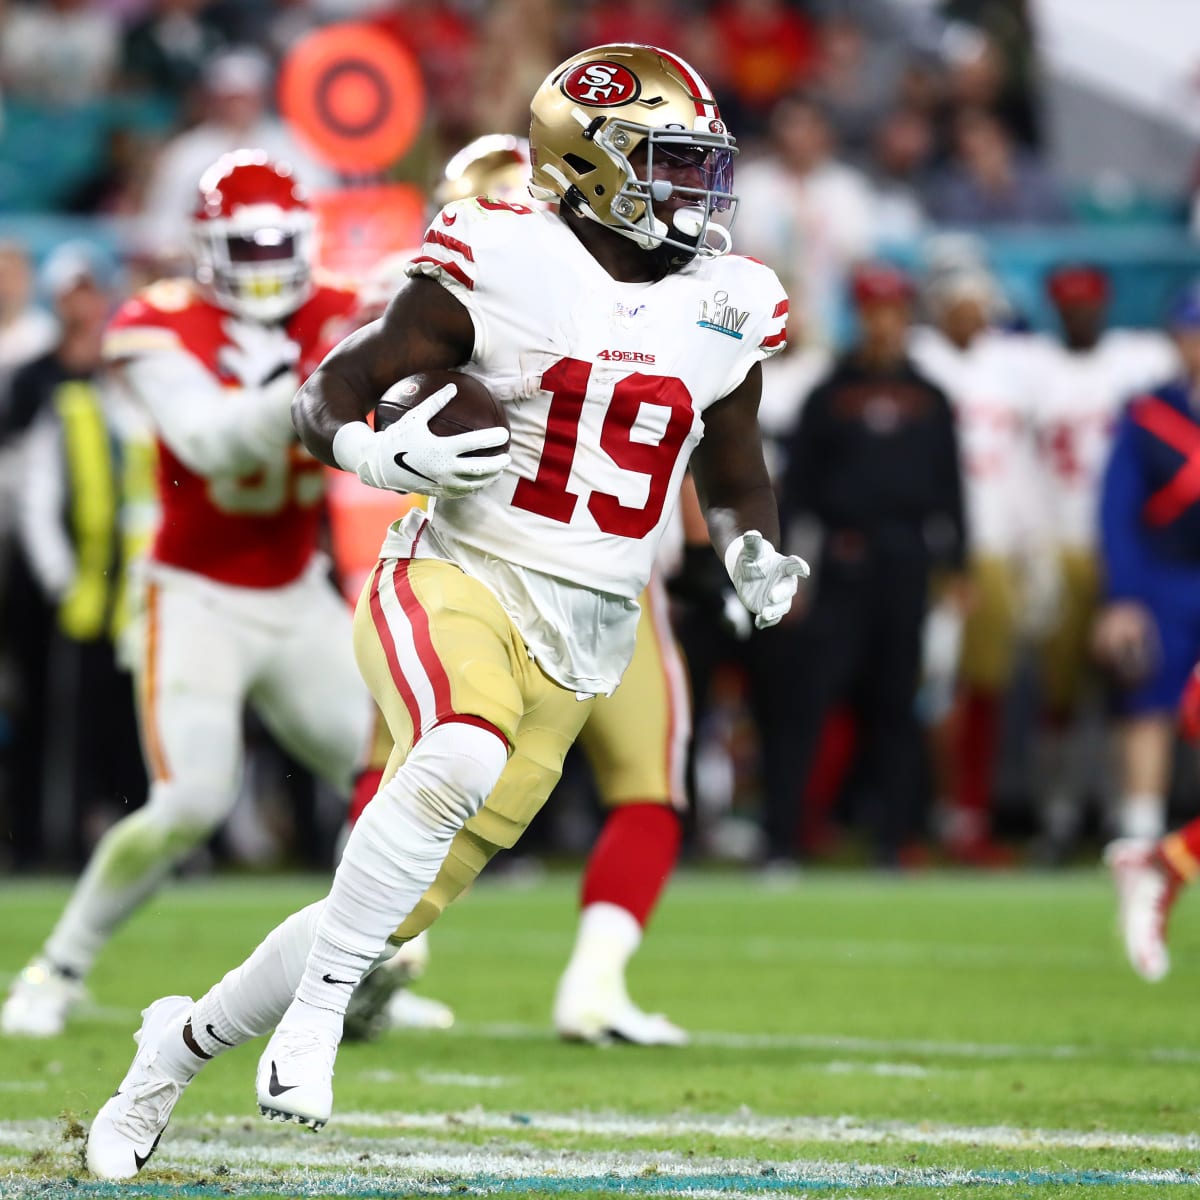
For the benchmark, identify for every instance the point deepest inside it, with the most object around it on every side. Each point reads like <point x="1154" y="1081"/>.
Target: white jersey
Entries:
<point x="1080" y="394"/>
<point x="989" y="387"/>
<point x="605" y="386"/>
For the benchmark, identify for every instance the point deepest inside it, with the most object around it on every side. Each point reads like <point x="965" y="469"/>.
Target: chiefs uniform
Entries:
<point x="236" y="606"/>
<point x="1080" y="396"/>
<point x="237" y="603"/>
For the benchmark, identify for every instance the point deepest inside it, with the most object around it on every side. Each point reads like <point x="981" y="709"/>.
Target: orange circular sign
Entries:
<point x="353" y="95"/>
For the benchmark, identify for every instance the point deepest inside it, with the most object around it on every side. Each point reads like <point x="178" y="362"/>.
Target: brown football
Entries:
<point x="473" y="407"/>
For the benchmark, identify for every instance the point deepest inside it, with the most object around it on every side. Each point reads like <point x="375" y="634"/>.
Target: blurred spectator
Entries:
<point x="236" y="90"/>
<point x="806" y="213"/>
<point x="990" y="182"/>
<point x="1148" y="634"/>
<point x="603" y="22"/>
<point x="60" y="52"/>
<point x="446" y="44"/>
<point x="766" y="48"/>
<point x="901" y="152"/>
<point x="1083" y="380"/>
<point x="517" y="50"/>
<point x="875" y="461"/>
<point x="26" y="331"/>
<point x="987" y="375"/>
<point x="989" y="46"/>
<point x="856" y="79"/>
<point x="164" y="52"/>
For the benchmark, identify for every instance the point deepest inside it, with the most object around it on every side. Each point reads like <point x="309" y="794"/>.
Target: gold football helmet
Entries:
<point x="600" y="108"/>
<point x="495" y="165"/>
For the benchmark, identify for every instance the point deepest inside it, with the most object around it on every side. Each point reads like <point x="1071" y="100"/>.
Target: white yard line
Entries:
<point x="835" y="1041"/>
<point x="373" y="1161"/>
<point x="782" y="1129"/>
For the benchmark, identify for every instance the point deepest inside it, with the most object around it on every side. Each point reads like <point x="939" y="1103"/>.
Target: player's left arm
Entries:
<point x="739" y="504"/>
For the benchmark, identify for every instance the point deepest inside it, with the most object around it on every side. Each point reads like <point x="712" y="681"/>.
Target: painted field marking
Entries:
<point x="294" y="1163"/>
<point x="833" y="1041"/>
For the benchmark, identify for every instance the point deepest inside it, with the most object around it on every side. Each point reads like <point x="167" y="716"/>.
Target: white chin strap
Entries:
<point x="688" y="221"/>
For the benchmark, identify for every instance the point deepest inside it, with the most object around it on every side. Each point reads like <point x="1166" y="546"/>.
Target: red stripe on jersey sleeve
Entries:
<point x="776" y="339"/>
<point x="451" y="243"/>
<point x="781" y="309"/>
<point x="450" y="268"/>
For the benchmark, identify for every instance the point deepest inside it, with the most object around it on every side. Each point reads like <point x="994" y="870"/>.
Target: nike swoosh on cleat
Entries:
<point x="401" y="463"/>
<point x="212" y="1033"/>
<point x="275" y="1087"/>
<point x="143" y="1159"/>
<point x="330" y="978"/>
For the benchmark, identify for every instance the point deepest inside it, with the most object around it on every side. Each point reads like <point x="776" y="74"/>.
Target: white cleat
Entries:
<point x="295" y="1073"/>
<point x="600" y="1012"/>
<point x="129" y="1124"/>
<point x="1145" y="894"/>
<point x="407" y="1010"/>
<point x="40" y="1001"/>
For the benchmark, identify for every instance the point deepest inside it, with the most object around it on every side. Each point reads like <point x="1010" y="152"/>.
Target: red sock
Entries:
<point x="633" y="859"/>
<point x="1179" y="852"/>
<point x="977" y="754"/>
<point x="365" y="787"/>
<point x="831" y="765"/>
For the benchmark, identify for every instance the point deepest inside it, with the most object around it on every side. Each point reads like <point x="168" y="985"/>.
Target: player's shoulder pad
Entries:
<point x="152" y="318"/>
<point x="467" y="232"/>
<point x="751" y="286"/>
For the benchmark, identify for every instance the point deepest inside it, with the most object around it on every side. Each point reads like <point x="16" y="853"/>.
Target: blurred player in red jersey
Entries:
<point x="635" y="741"/>
<point x="238" y="606"/>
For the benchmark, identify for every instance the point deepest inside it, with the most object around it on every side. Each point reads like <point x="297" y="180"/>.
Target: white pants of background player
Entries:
<point x="206" y="651"/>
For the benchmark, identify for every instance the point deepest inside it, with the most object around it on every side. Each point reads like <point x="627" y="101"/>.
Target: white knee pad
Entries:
<point x="442" y="784"/>
<point x="192" y="809"/>
<point x="447" y="776"/>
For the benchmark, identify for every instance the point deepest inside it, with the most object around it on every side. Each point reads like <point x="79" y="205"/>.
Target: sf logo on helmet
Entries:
<point x="601" y="84"/>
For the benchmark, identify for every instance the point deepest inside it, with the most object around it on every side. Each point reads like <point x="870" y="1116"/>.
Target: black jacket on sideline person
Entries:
<point x="874" y="459"/>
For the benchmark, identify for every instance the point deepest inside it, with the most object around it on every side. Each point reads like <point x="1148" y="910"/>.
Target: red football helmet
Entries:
<point x="252" y="236"/>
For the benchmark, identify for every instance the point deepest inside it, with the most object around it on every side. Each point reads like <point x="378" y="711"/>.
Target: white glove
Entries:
<point x="409" y="457"/>
<point x="764" y="579"/>
<point x="258" y="353"/>
<point x="941" y="649"/>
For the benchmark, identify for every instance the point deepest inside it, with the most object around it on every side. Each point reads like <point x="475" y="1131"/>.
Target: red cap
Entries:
<point x="880" y="283"/>
<point x="1077" y="284"/>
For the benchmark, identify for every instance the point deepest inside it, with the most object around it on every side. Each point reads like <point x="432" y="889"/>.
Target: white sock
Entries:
<point x="128" y="865"/>
<point x="394" y="854"/>
<point x="1143" y="815"/>
<point x="252" y="997"/>
<point x="607" y="938"/>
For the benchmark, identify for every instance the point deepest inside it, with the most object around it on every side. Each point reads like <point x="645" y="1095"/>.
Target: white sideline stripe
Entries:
<point x="846" y="1129"/>
<point x="289" y="1147"/>
<point x="834" y="1041"/>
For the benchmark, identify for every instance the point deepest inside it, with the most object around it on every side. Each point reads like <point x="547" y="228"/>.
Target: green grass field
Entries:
<point x="856" y="1036"/>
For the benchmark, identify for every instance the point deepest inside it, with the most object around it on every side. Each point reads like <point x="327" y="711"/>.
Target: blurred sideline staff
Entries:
<point x="875" y="460"/>
<point x="85" y="504"/>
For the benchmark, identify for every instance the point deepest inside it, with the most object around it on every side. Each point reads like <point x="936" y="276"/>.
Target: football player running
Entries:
<point x="636" y="743"/>
<point x="617" y="332"/>
<point x="238" y="605"/>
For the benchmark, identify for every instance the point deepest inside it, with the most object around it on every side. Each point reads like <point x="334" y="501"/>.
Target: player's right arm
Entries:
<point x="424" y="328"/>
